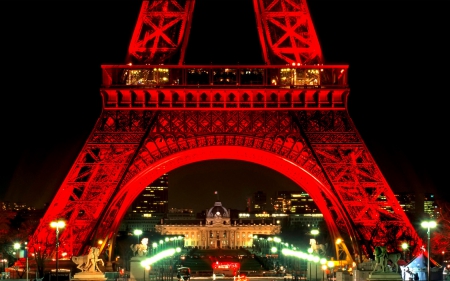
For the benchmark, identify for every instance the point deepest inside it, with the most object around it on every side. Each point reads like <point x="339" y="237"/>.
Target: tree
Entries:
<point x="440" y="238"/>
<point x="6" y="239"/>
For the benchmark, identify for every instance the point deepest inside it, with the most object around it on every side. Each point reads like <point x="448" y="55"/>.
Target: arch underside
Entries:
<point x="320" y="150"/>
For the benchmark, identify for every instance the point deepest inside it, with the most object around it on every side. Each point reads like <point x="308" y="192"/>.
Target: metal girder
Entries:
<point x="286" y="32"/>
<point x="94" y="178"/>
<point x="356" y="179"/>
<point x="162" y="30"/>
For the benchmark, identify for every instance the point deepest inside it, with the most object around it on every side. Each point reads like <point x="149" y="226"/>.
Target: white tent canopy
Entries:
<point x="417" y="270"/>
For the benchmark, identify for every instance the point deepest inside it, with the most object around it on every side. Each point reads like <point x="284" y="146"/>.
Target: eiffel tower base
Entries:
<point x="384" y="276"/>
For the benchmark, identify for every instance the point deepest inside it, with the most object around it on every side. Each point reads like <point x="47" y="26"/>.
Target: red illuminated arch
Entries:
<point x="303" y="178"/>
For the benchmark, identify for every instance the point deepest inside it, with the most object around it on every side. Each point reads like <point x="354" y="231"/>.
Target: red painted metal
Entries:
<point x="161" y="32"/>
<point x="286" y="32"/>
<point x="156" y="119"/>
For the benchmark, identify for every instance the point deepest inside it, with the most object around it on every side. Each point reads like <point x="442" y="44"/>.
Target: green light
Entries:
<point x="404" y="246"/>
<point x="429" y="224"/>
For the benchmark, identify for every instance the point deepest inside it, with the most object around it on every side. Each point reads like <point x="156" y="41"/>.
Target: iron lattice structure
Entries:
<point x="290" y="117"/>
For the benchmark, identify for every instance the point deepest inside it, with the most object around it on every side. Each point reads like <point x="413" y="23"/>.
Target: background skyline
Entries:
<point x="53" y="51"/>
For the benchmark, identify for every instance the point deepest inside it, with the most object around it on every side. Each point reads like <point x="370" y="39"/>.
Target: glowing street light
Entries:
<point x="404" y="247"/>
<point x="138" y="232"/>
<point x="339" y="251"/>
<point x="330" y="265"/>
<point x="57" y="225"/>
<point x="16" y="248"/>
<point x="4" y="263"/>
<point x="324" y="268"/>
<point x="428" y="225"/>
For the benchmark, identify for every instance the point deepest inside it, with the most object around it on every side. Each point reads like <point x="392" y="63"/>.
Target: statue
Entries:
<point x="380" y="253"/>
<point x="317" y="248"/>
<point x="382" y="258"/>
<point x="393" y="258"/>
<point x="140" y="250"/>
<point x="90" y="261"/>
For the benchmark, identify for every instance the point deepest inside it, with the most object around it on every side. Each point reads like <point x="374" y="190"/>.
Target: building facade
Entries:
<point x="154" y="198"/>
<point x="218" y="230"/>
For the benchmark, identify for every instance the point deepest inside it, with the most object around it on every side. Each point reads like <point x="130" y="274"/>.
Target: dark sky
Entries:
<point x="52" y="51"/>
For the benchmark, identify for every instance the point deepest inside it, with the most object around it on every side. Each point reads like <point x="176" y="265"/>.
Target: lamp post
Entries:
<point x="428" y="225"/>
<point x="324" y="268"/>
<point x="5" y="263"/>
<point x="57" y="225"/>
<point x="16" y="248"/>
<point x="26" y="256"/>
<point x="138" y="232"/>
<point x="154" y="246"/>
<point x="310" y="251"/>
<point x="331" y="267"/>
<point x="404" y="248"/>
<point x="339" y="251"/>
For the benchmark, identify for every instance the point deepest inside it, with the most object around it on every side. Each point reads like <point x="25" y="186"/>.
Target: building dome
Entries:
<point x="218" y="211"/>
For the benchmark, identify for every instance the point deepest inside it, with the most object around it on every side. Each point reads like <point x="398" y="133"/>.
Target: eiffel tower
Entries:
<point x="289" y="114"/>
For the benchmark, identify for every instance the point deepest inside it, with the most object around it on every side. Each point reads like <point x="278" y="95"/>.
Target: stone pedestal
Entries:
<point x="360" y="275"/>
<point x="343" y="276"/>
<point x="137" y="272"/>
<point x="89" y="276"/>
<point x="384" y="276"/>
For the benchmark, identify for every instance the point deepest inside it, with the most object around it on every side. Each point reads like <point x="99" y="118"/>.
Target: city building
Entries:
<point x="407" y="201"/>
<point x="259" y="202"/>
<point x="154" y="198"/>
<point x="418" y="205"/>
<point x="219" y="229"/>
<point x="144" y="221"/>
<point x="430" y="207"/>
<point x="294" y="202"/>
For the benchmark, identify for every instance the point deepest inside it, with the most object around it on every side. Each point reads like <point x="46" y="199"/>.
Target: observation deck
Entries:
<point x="219" y="87"/>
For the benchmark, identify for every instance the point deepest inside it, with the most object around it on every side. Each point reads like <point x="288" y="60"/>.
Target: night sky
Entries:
<point x="397" y="52"/>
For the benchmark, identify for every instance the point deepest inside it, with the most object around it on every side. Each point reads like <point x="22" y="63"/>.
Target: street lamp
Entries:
<point x="310" y="251"/>
<point x="16" y="248"/>
<point x="26" y="256"/>
<point x="57" y="225"/>
<point x="324" y="268"/>
<point x="4" y="262"/>
<point x="339" y="251"/>
<point x="331" y="267"/>
<point x="138" y="232"/>
<point x="428" y="225"/>
<point x="154" y="245"/>
<point x="404" y="247"/>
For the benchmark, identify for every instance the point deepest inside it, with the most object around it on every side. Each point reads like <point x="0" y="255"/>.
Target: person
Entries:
<point x="445" y="273"/>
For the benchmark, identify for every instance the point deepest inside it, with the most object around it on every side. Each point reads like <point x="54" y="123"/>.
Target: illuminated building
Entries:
<point x="407" y="201"/>
<point x="219" y="230"/>
<point x="429" y="205"/>
<point x="154" y="198"/>
<point x="294" y="202"/>
<point x="259" y="201"/>
<point x="144" y="221"/>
